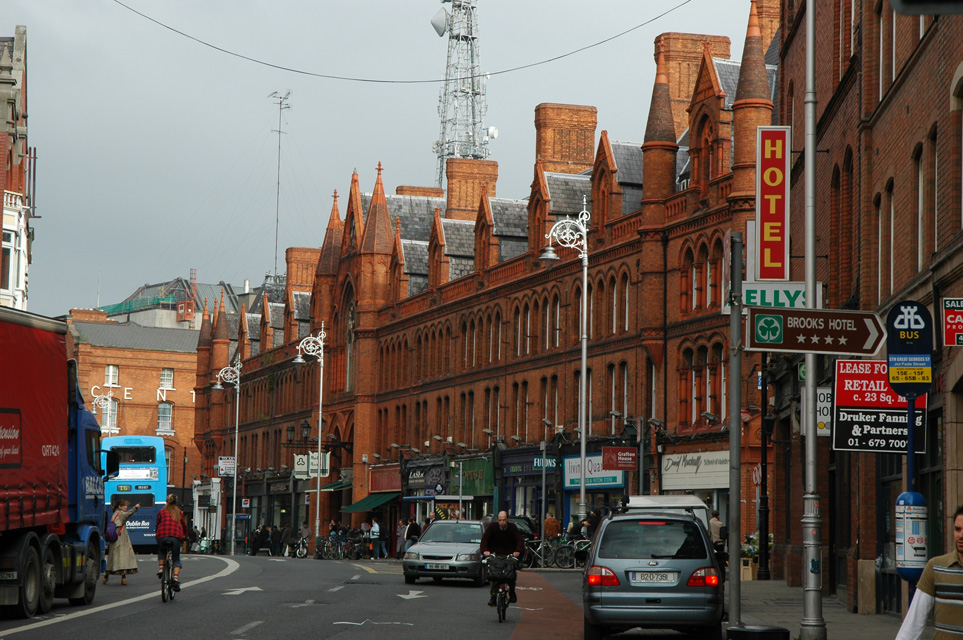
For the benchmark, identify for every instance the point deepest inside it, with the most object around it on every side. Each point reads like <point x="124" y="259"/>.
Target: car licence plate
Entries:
<point x="436" y="566"/>
<point x="651" y="576"/>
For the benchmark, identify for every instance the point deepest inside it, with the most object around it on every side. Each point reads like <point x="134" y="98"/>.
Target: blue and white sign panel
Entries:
<point x="595" y="476"/>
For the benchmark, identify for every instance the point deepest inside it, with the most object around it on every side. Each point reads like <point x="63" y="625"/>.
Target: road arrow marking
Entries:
<point x="412" y="594"/>
<point x="237" y="592"/>
<point x="367" y="621"/>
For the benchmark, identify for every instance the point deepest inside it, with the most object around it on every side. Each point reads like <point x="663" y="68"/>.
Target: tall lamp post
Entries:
<point x="574" y="235"/>
<point x="314" y="346"/>
<point x="232" y="376"/>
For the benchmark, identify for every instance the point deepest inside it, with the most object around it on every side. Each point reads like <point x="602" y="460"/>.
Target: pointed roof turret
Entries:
<point x="220" y="327"/>
<point x="378" y="234"/>
<point x="660" y="126"/>
<point x="204" y="336"/>
<point x="331" y="246"/>
<point x="753" y="81"/>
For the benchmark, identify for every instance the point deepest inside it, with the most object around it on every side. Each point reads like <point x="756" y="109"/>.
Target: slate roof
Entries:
<point x="459" y="237"/>
<point x="277" y="315"/>
<point x="508" y="248"/>
<point x="566" y="191"/>
<point x="416" y="213"/>
<point x="130" y="335"/>
<point x="510" y="217"/>
<point x="180" y="288"/>
<point x="302" y="305"/>
<point x="631" y="199"/>
<point x="628" y="160"/>
<point x="416" y="256"/>
<point x="728" y="72"/>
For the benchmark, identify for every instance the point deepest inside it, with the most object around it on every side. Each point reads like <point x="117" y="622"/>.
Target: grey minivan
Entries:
<point x="652" y="569"/>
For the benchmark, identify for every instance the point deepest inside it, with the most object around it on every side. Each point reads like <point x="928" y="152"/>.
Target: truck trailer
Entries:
<point x="52" y="510"/>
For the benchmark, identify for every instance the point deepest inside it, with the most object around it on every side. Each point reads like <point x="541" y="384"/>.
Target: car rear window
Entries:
<point x="652" y="538"/>
<point x="467" y="533"/>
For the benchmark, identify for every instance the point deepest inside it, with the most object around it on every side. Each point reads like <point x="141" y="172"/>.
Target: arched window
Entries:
<point x="625" y="301"/>
<point x="517" y="332"/>
<point x="614" y="305"/>
<point x="556" y="328"/>
<point x="686" y="406"/>
<point x="686" y="290"/>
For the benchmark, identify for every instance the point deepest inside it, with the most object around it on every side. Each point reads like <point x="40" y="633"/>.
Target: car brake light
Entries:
<point x="602" y="577"/>
<point x="705" y="577"/>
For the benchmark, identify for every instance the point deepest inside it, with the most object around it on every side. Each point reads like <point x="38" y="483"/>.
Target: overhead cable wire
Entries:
<point x="382" y="81"/>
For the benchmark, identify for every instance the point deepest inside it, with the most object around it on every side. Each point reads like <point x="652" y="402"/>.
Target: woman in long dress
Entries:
<point x="121" y="560"/>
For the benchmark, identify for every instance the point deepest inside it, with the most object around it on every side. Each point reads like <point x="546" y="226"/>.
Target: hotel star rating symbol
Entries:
<point x="813" y="331"/>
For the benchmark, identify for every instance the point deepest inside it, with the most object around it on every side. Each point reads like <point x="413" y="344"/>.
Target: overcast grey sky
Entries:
<point x="157" y="154"/>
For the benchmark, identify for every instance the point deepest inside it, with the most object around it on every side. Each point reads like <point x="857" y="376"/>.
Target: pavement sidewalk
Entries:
<point x="774" y="603"/>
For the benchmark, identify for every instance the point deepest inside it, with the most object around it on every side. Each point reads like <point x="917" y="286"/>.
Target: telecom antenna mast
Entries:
<point x="461" y="103"/>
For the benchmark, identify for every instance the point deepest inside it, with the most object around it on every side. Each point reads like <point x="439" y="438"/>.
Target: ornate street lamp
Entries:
<point x="232" y="376"/>
<point x="314" y="346"/>
<point x="573" y="234"/>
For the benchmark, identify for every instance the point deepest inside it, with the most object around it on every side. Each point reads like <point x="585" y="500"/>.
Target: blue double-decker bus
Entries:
<point x="142" y="479"/>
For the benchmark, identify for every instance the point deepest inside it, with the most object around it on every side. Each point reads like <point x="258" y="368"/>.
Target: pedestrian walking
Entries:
<point x="400" y="538"/>
<point x="715" y="528"/>
<point x="939" y="591"/>
<point x="412" y="533"/>
<point x="287" y="539"/>
<point x="121" y="560"/>
<point x="553" y="528"/>
<point x="378" y="549"/>
<point x="275" y="540"/>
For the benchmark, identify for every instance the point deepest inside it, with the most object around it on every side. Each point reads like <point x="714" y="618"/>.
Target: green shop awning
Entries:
<point x="372" y="501"/>
<point x="335" y="486"/>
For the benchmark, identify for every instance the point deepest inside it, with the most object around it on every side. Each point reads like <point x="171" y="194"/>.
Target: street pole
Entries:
<point x="573" y="234"/>
<point x="314" y="346"/>
<point x="232" y="376"/>
<point x="544" y="500"/>
<point x="735" y="427"/>
<point x="763" y="573"/>
<point x="812" y="627"/>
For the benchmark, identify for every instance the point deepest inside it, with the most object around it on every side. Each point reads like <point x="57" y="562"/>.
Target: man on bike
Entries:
<point x="502" y="538"/>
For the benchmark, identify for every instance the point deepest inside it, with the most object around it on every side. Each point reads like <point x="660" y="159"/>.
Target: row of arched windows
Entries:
<point x="702" y="384"/>
<point x="700" y="275"/>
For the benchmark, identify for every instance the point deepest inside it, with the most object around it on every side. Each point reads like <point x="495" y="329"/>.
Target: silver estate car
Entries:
<point x="447" y="549"/>
<point x="652" y="569"/>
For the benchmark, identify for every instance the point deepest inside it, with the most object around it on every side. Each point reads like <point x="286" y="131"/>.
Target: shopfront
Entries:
<point x="524" y="485"/>
<point x="604" y="489"/>
<point x="704" y="474"/>
<point x="472" y="481"/>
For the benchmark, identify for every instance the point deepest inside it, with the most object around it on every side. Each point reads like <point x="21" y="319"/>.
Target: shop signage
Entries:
<point x="868" y="415"/>
<point x="703" y="470"/>
<point x="953" y="322"/>
<point x="225" y="466"/>
<point x="416" y="478"/>
<point x="478" y="478"/>
<point x="620" y="458"/>
<point x="828" y="331"/>
<point x="550" y="463"/>
<point x="279" y="487"/>
<point x="385" y="477"/>
<point x="773" y="156"/>
<point x="435" y="479"/>
<point x="595" y="475"/>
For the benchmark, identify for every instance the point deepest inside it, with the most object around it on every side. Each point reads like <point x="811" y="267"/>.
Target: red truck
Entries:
<point x="52" y="511"/>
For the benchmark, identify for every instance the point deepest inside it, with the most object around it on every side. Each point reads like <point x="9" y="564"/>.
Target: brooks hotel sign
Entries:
<point x="706" y="470"/>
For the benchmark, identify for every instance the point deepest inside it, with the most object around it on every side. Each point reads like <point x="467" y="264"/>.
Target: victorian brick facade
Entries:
<point x="443" y="329"/>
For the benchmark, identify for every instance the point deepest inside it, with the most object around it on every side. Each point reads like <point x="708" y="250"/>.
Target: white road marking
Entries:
<point x="528" y="588"/>
<point x="237" y="592"/>
<point x="338" y="588"/>
<point x="306" y="603"/>
<point x="368" y="621"/>
<point x="232" y="566"/>
<point x="411" y="594"/>
<point x="246" y="628"/>
<point x="357" y="577"/>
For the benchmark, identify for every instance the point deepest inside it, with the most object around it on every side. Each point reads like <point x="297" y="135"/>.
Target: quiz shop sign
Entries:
<point x="619" y="458"/>
<point x="868" y="415"/>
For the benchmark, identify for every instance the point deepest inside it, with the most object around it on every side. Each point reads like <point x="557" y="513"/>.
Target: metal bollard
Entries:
<point x="756" y="632"/>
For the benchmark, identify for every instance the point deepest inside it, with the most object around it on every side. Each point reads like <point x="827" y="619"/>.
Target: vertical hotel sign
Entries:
<point x="773" y="155"/>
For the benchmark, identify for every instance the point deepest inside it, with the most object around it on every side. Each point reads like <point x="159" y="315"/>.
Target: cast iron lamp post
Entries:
<point x="232" y="376"/>
<point x="314" y="346"/>
<point x="574" y="235"/>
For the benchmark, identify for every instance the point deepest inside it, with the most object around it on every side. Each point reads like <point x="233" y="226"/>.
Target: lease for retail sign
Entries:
<point x="868" y="415"/>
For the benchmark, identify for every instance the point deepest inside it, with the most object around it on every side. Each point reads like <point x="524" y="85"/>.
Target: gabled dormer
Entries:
<point x="486" y="244"/>
<point x="243" y="337"/>
<point x="539" y="203"/>
<point x="710" y="126"/>
<point x="606" y="192"/>
<point x="266" y="330"/>
<point x="438" y="264"/>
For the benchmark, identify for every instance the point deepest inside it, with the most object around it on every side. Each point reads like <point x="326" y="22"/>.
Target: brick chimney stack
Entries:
<point x="466" y="180"/>
<point x="565" y="137"/>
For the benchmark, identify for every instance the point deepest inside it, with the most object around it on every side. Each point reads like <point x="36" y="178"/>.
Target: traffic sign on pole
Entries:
<point x="827" y="331"/>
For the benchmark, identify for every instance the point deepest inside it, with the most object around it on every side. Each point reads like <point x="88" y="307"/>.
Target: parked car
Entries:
<point x="447" y="549"/>
<point x="529" y="529"/>
<point x="652" y="569"/>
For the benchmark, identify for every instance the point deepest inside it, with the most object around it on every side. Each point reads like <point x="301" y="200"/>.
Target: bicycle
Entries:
<point x="565" y="555"/>
<point x="501" y="571"/>
<point x="168" y="587"/>
<point x="300" y="548"/>
<point x="535" y="551"/>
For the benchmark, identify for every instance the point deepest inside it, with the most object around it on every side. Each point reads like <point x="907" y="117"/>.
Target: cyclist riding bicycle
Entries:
<point x="502" y="538"/>
<point x="169" y="531"/>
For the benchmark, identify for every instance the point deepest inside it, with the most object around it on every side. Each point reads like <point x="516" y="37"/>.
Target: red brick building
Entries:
<point x="146" y="376"/>
<point x="451" y="350"/>
<point x="888" y="130"/>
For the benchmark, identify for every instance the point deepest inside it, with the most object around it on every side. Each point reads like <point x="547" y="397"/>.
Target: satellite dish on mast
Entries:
<point x="492" y="132"/>
<point x="440" y="22"/>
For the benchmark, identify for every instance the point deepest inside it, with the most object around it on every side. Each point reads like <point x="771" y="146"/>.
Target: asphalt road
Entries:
<point x="264" y="598"/>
